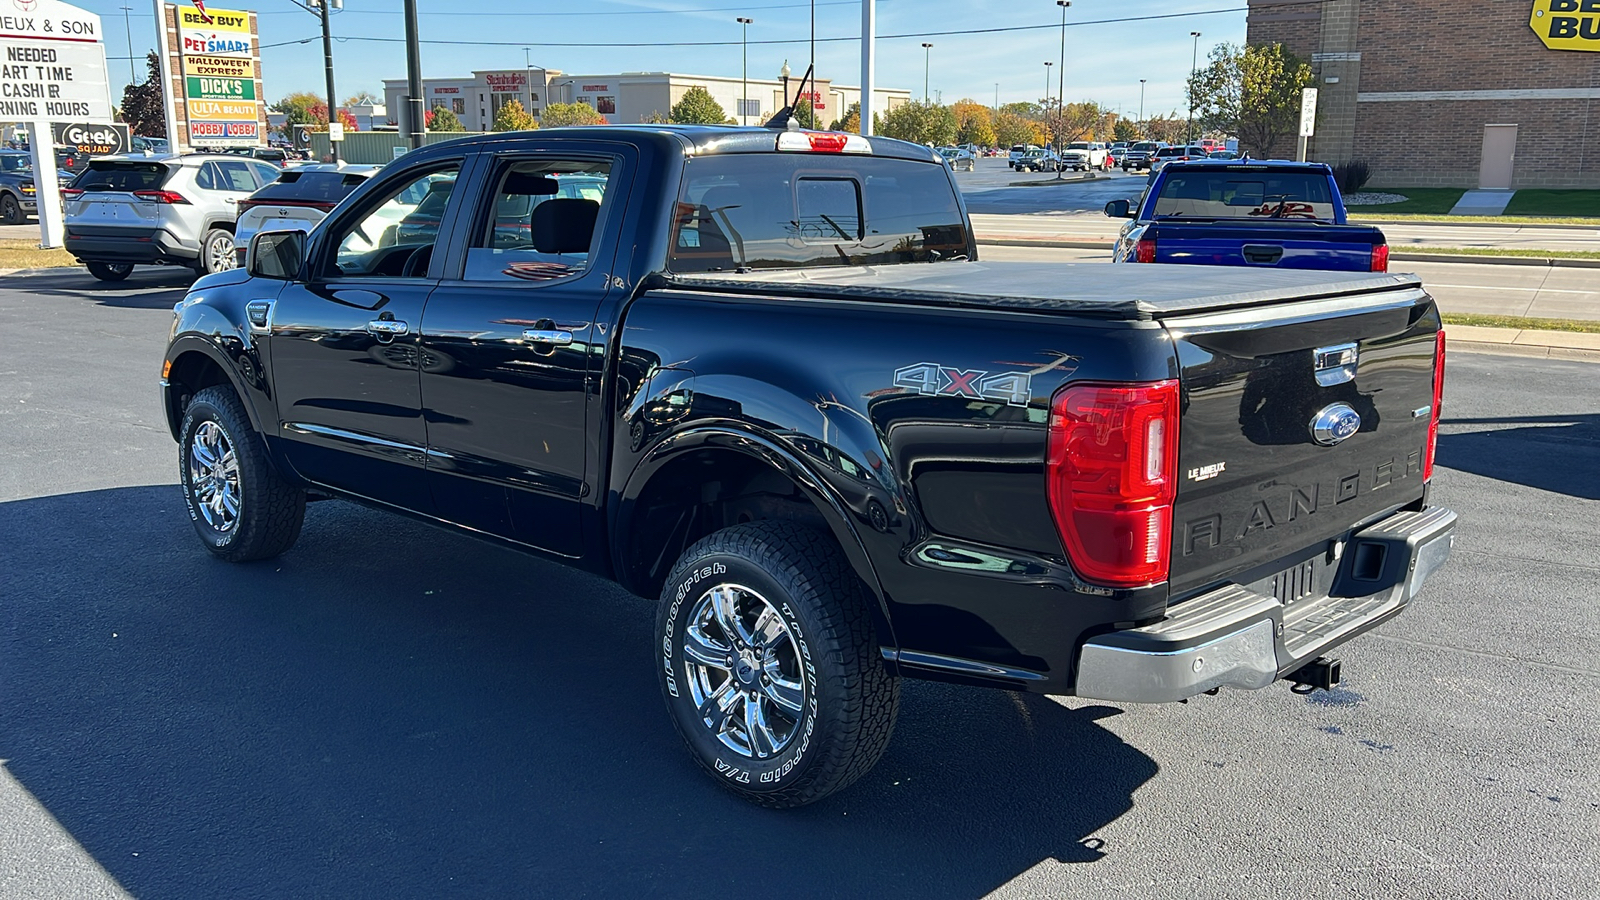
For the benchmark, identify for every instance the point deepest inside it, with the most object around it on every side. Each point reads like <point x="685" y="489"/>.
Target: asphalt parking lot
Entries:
<point x="392" y="711"/>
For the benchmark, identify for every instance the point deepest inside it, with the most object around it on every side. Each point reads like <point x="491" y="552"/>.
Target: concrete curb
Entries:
<point x="1446" y="222"/>
<point x="1072" y="244"/>
<point x="1065" y="179"/>
<point x="1536" y="351"/>
<point x="45" y="271"/>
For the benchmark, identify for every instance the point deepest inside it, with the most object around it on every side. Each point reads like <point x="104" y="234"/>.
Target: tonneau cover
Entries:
<point x="1092" y="289"/>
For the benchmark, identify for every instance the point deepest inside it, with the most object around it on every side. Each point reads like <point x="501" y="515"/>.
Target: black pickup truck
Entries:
<point x="761" y="375"/>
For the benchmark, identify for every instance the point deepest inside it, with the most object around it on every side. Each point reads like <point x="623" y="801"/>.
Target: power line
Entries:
<point x="822" y="40"/>
<point x="632" y="12"/>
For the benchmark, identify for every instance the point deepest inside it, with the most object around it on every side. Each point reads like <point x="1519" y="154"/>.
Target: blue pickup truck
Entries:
<point x="1273" y="214"/>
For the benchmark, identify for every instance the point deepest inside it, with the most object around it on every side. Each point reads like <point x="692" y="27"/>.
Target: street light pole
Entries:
<point x="927" y="60"/>
<point x="1141" y="103"/>
<point x="1061" y="71"/>
<point x="132" y="78"/>
<point x="1047" y="65"/>
<point x="745" y="41"/>
<point x="1194" y="63"/>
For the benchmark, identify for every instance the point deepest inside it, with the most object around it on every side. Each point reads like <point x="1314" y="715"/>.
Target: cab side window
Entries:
<point x="396" y="238"/>
<point x="542" y="223"/>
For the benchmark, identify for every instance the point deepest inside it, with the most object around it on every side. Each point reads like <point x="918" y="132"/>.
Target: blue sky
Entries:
<point x="1104" y="61"/>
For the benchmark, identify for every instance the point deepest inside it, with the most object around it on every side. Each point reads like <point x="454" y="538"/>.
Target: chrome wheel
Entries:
<point x="219" y="253"/>
<point x="744" y="671"/>
<point x="214" y="476"/>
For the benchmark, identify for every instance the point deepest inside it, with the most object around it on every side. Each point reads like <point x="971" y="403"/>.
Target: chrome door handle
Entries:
<point x="547" y="336"/>
<point x="387" y="327"/>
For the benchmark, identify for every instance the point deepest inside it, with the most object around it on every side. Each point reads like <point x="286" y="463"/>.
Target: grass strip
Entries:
<point x="1522" y="322"/>
<point x="25" y="254"/>
<point x="1539" y="202"/>
<point x="1496" y="251"/>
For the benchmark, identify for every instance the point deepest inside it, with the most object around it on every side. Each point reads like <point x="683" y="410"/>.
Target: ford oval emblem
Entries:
<point x="1334" y="424"/>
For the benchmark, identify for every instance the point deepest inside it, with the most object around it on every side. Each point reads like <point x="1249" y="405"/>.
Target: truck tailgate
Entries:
<point x="1283" y="245"/>
<point x="1301" y="421"/>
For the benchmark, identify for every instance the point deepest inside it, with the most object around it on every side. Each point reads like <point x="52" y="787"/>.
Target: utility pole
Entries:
<point x="927" y="60"/>
<point x="997" y="98"/>
<point x="869" y="67"/>
<point x="1061" y="85"/>
<point x="126" y="24"/>
<point x="745" y="42"/>
<point x="415" y="117"/>
<point x="1194" y="64"/>
<point x="327" y="67"/>
<point x="813" y="48"/>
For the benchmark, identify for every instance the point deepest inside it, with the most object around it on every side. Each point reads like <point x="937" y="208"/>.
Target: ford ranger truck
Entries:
<point x="762" y="376"/>
<point x="1259" y="214"/>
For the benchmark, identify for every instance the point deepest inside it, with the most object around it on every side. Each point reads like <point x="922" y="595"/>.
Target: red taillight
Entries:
<point x="1145" y="250"/>
<point x="1438" y="398"/>
<point x="1380" y="258"/>
<point x="161" y="196"/>
<point x="71" y="193"/>
<point x="1111" y="476"/>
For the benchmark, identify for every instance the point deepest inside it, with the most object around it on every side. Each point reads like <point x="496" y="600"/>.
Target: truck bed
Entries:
<point x="1095" y="290"/>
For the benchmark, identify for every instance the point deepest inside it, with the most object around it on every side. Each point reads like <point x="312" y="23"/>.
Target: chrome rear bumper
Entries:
<point x="1236" y="637"/>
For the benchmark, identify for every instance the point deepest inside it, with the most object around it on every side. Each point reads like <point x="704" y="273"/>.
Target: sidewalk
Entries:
<point x="1525" y="342"/>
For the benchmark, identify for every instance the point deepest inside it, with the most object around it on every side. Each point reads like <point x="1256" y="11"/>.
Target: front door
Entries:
<point x="344" y="344"/>
<point x="510" y="348"/>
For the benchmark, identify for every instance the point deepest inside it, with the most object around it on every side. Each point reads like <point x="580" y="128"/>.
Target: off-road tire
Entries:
<point x="10" y="210"/>
<point x="271" y="510"/>
<point x="210" y="260"/>
<point x="851" y="699"/>
<point x="109" y="271"/>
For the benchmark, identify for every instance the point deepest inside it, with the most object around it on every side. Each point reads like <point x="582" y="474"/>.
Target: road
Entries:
<point x="390" y="711"/>
<point x="1540" y="291"/>
<point x="1075" y="210"/>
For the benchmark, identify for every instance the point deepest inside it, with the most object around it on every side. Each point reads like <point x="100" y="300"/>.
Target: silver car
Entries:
<point x="959" y="158"/>
<point x="141" y="209"/>
<point x="301" y="197"/>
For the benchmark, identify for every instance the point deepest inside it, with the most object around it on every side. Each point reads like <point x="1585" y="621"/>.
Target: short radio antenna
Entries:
<point x="785" y="116"/>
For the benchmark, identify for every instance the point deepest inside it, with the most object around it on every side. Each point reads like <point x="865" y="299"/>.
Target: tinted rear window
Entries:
<point x="766" y="211"/>
<point x="120" y="176"/>
<point x="1256" y="194"/>
<point x="316" y="187"/>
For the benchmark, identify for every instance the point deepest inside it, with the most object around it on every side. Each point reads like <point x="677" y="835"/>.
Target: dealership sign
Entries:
<point x="52" y="64"/>
<point x="1567" y="24"/>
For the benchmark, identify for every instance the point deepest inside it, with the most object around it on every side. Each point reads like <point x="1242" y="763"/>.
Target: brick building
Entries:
<point x="1448" y="93"/>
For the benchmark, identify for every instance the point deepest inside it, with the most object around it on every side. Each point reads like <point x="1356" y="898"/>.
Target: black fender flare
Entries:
<point x="188" y="344"/>
<point x="764" y="448"/>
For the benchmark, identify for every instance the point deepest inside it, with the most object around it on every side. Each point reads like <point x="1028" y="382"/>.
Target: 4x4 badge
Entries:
<point x="1013" y="388"/>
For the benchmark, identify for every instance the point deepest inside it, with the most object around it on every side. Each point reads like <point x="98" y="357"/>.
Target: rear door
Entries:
<point x="1300" y="421"/>
<point x="510" y="350"/>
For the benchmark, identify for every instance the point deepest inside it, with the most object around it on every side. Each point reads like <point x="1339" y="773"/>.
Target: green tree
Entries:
<point x="1032" y="111"/>
<point x="1084" y="121"/>
<point x="851" y="123"/>
<point x="974" y="123"/>
<point x="1011" y="129"/>
<point x="142" y="106"/>
<point x="1170" y="128"/>
<point x="698" y="107"/>
<point x="302" y="108"/>
<point x="1125" y="130"/>
<point x="557" y="115"/>
<point x="921" y="123"/>
<point x="1252" y="92"/>
<point x="512" y="117"/>
<point x="440" y="118"/>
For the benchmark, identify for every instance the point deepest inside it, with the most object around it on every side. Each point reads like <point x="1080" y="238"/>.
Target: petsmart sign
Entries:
<point x="1567" y="24"/>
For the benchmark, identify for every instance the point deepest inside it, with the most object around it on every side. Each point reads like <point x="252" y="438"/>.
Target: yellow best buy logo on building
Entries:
<point x="193" y="19"/>
<point x="1567" y="24"/>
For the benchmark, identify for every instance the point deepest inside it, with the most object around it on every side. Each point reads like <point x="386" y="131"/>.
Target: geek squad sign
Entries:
<point x="1567" y="24"/>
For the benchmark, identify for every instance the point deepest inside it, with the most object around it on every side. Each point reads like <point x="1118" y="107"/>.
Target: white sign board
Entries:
<point x="335" y="131"/>
<point x="52" y="64"/>
<point x="1308" y="112"/>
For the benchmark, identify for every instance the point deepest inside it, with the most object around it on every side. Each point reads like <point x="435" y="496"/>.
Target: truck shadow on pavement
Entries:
<point x="391" y="711"/>
<point x="1550" y="453"/>
<point x="149" y="287"/>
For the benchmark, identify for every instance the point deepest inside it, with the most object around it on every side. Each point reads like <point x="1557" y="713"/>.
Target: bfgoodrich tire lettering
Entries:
<point x="241" y="508"/>
<point x="782" y="695"/>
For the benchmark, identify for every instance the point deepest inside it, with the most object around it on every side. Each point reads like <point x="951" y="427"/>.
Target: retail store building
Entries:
<point x="1497" y="94"/>
<point x="622" y="98"/>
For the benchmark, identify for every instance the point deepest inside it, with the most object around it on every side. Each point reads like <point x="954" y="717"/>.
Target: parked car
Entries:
<point x="275" y="155"/>
<point x="1176" y="154"/>
<point x="153" y="144"/>
<point x="18" y="197"/>
<point x="765" y="380"/>
<point x="1086" y="155"/>
<point x="298" y="199"/>
<point x="1117" y="153"/>
<point x="1017" y="152"/>
<point x="1222" y="154"/>
<point x="163" y="210"/>
<point x="959" y="158"/>
<point x="1278" y="215"/>
<point x="1037" y="160"/>
<point x="1139" y="153"/>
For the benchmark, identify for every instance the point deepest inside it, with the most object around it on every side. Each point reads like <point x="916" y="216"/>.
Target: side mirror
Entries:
<point x="276" y="254"/>
<point x="1118" y="209"/>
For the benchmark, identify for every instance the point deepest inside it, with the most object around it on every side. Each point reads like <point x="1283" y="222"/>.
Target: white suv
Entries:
<point x="163" y="210"/>
<point x="1086" y="155"/>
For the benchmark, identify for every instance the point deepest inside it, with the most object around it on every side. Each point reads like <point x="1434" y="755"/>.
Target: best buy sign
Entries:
<point x="1567" y="24"/>
<point x="221" y="88"/>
